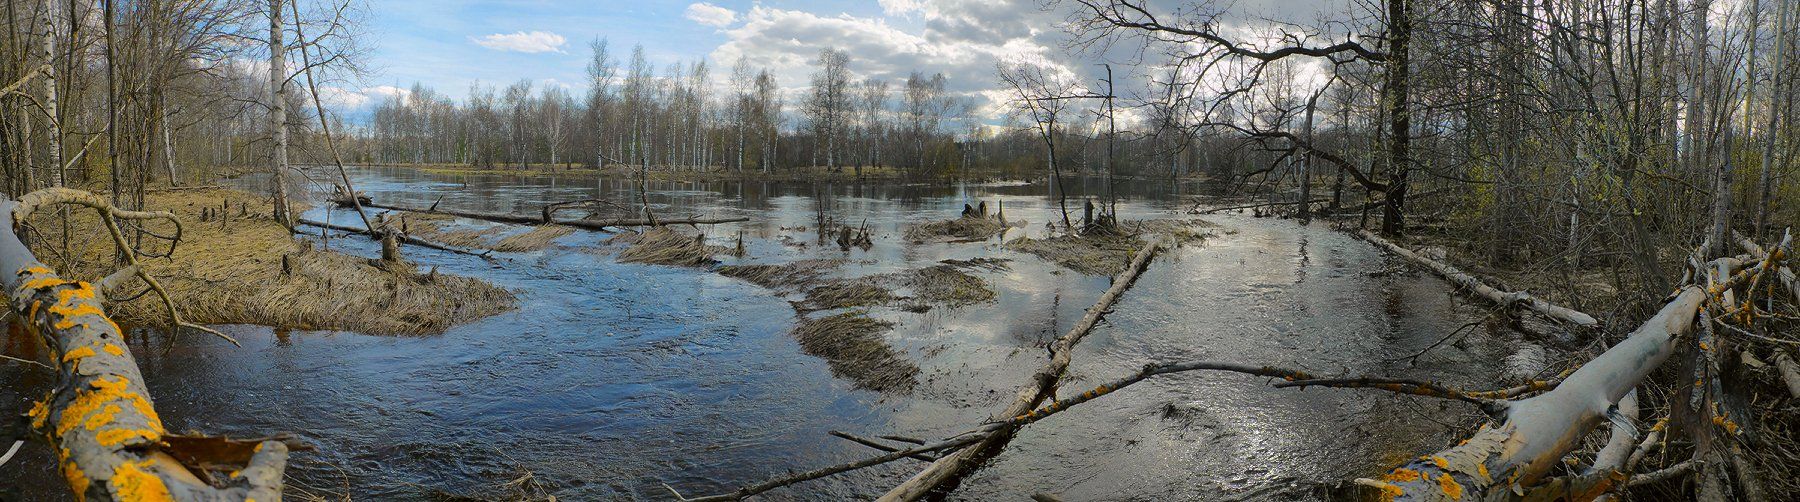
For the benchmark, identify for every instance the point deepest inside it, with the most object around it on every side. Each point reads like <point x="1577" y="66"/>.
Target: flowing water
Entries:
<point x="613" y="379"/>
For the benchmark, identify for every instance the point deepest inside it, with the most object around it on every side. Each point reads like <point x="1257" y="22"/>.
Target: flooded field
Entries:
<point x="612" y="379"/>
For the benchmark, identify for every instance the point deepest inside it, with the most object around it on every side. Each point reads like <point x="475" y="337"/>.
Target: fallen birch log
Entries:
<point x="474" y="215"/>
<point x="1790" y="371"/>
<point x="1475" y="286"/>
<point x="1042" y="386"/>
<point x="486" y="255"/>
<point x="1515" y="452"/>
<point x="1510" y="457"/>
<point x="1259" y="205"/>
<point x="521" y="219"/>
<point x="659" y="222"/>
<point x="183" y="189"/>
<point x="111" y="444"/>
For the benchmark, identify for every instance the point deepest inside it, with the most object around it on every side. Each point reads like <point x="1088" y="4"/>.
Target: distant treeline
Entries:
<point x="679" y="118"/>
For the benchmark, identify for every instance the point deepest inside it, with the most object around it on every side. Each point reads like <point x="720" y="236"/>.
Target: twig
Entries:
<point x="872" y="444"/>
<point x="1670" y="472"/>
<point x="11" y="358"/>
<point x="991" y="428"/>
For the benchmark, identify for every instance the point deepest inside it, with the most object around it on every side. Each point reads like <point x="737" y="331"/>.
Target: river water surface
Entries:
<point x="611" y="380"/>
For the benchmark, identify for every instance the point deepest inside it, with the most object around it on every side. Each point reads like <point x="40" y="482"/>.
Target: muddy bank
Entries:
<point x="236" y="265"/>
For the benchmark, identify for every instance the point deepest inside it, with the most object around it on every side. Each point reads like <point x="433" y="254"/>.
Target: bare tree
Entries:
<point x="830" y="104"/>
<point x="1043" y="93"/>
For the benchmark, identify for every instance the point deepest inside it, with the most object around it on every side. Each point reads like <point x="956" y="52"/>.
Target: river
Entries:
<point x="613" y="379"/>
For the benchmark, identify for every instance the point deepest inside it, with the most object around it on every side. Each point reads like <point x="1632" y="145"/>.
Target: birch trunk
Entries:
<point x="168" y="144"/>
<point x="278" y="112"/>
<point x="51" y="13"/>
<point x="1785" y="23"/>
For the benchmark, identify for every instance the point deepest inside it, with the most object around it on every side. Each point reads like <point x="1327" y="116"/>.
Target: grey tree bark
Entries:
<point x="278" y="113"/>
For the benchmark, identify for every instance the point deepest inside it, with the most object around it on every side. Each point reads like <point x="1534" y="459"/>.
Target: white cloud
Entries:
<point x="355" y="99"/>
<point x="788" y="41"/>
<point x="527" y="42"/>
<point x="710" y="15"/>
<point x="901" y="7"/>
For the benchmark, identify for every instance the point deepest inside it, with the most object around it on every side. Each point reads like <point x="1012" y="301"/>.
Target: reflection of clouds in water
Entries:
<point x="611" y="379"/>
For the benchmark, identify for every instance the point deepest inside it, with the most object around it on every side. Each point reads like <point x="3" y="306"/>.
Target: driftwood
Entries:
<point x="1042" y="386"/>
<point x="474" y="215"/>
<point x="548" y="217"/>
<point x="99" y="418"/>
<point x="1197" y="210"/>
<point x="1474" y="286"/>
<point x="486" y="255"/>
<point x="877" y="445"/>
<point x="659" y="222"/>
<point x="179" y="189"/>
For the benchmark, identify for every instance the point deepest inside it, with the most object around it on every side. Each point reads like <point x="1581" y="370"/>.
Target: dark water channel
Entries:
<point x="611" y="379"/>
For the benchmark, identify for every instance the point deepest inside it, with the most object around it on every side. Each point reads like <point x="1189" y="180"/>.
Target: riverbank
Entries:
<point x="234" y="264"/>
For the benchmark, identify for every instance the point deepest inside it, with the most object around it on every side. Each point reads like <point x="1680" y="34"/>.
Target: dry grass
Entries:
<point x="845" y="294"/>
<point x="1092" y="255"/>
<point x="949" y="286"/>
<point x="538" y="238"/>
<point x="231" y="272"/>
<point x="431" y="227"/>
<point x="851" y="344"/>
<point x="955" y="229"/>
<point x="665" y="246"/>
<point x="784" y="277"/>
<point x="1107" y="253"/>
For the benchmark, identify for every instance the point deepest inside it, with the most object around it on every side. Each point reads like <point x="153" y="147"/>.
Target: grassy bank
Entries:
<point x="235" y="265"/>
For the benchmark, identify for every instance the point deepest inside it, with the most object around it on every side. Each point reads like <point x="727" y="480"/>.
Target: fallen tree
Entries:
<point x="110" y="443"/>
<point x="402" y="237"/>
<point x="1475" y="287"/>
<point x="1512" y="456"/>
<point x="1042" y="386"/>
<point x="548" y="217"/>
<point x="1535" y="426"/>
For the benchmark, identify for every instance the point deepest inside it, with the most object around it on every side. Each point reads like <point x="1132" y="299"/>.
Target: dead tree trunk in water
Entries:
<point x="111" y="443"/>
<point x="1042" y="386"/>
<point x="1476" y="287"/>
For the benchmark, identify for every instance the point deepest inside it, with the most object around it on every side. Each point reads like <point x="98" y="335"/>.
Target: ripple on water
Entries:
<point x="612" y="379"/>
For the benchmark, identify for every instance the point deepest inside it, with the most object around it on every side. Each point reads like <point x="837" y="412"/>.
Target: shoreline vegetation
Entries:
<point x="235" y="264"/>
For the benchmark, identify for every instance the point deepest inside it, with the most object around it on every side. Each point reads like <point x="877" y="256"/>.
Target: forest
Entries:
<point x="1523" y="250"/>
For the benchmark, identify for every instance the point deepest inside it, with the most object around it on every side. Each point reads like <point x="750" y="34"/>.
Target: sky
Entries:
<point x="450" y="44"/>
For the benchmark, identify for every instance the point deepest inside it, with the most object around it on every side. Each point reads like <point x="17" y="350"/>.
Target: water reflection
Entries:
<point x="612" y="379"/>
